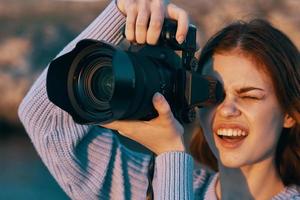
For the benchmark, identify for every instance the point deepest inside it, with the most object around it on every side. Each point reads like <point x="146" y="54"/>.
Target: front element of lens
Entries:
<point x="103" y="83"/>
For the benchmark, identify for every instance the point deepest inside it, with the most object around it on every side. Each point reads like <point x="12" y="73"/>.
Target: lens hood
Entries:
<point x="68" y="87"/>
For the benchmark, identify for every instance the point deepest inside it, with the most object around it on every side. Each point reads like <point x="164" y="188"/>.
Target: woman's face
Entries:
<point x="245" y="127"/>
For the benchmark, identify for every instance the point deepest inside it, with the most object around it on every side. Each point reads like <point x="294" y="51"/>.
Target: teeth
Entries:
<point x="231" y="132"/>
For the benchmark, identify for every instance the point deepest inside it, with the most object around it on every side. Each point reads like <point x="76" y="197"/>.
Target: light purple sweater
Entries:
<point x="90" y="162"/>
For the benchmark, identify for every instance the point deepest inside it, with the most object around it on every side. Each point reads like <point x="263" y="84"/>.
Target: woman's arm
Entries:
<point x="173" y="175"/>
<point x="107" y="26"/>
<point x="87" y="161"/>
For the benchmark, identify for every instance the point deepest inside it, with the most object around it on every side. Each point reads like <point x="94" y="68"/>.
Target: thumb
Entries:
<point x="162" y="107"/>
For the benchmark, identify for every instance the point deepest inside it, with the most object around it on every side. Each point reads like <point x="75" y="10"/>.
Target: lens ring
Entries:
<point x="84" y="105"/>
<point x="102" y="83"/>
<point x="97" y="94"/>
<point x="92" y="63"/>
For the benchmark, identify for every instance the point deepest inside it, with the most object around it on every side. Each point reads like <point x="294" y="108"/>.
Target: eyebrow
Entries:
<point x="247" y="89"/>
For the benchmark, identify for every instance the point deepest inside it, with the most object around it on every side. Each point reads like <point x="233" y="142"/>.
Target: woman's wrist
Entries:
<point x="177" y="146"/>
<point x="174" y="172"/>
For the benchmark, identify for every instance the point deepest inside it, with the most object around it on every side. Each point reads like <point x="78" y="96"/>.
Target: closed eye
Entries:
<point x="251" y="93"/>
<point x="251" y="97"/>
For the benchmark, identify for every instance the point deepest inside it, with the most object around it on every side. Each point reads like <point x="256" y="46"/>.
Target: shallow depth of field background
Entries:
<point x="31" y="34"/>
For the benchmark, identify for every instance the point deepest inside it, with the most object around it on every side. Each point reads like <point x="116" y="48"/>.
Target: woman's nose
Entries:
<point x="228" y="108"/>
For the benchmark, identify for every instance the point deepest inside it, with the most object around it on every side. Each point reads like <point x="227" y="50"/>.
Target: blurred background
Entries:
<point x="33" y="31"/>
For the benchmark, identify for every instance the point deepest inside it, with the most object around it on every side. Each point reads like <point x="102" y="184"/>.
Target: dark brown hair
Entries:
<point x="279" y="58"/>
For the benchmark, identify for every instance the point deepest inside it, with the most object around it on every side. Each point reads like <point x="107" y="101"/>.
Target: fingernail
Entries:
<point x="180" y="39"/>
<point x="158" y="97"/>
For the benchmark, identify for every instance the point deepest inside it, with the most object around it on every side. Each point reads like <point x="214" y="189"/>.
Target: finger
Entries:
<point x="142" y="22"/>
<point x="156" y="22"/>
<point x="126" y="128"/>
<point x="162" y="107"/>
<point x="182" y="19"/>
<point x="120" y="5"/>
<point x="130" y="129"/>
<point x="131" y="11"/>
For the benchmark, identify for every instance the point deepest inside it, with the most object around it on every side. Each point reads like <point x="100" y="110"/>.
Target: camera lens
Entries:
<point x="103" y="83"/>
<point x="93" y="85"/>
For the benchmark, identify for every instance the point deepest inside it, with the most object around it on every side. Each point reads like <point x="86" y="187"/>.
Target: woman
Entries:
<point x="250" y="133"/>
<point x="254" y="132"/>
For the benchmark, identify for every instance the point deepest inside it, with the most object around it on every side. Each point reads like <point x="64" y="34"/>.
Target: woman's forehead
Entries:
<point x="236" y="70"/>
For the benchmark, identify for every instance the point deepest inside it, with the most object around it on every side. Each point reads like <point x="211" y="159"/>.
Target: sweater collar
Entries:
<point x="288" y="192"/>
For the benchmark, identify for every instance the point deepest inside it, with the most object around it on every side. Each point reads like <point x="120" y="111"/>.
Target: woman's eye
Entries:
<point x="250" y="97"/>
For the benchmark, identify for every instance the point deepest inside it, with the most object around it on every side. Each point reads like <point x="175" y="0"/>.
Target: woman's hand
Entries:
<point x="144" y="19"/>
<point x="161" y="134"/>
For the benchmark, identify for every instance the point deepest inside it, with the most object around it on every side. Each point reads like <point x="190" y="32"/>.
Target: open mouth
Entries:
<point x="231" y="137"/>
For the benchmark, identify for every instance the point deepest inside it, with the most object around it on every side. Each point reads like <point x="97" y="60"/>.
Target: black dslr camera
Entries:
<point x="97" y="82"/>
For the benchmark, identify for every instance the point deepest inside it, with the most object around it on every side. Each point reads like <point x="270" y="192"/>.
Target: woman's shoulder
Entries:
<point x="202" y="178"/>
<point x="291" y="192"/>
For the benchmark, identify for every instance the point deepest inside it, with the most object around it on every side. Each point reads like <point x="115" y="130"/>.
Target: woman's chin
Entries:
<point x="231" y="161"/>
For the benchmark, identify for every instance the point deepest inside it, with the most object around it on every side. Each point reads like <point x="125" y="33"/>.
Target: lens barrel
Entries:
<point x="97" y="83"/>
<point x="107" y="84"/>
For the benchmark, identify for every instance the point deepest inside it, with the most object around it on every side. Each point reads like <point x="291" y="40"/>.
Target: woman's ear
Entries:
<point x="289" y="121"/>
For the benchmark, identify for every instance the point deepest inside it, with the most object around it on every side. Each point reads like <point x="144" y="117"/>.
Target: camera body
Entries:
<point x="97" y="82"/>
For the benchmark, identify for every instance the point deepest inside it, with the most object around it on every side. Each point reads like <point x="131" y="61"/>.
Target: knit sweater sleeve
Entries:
<point x="89" y="162"/>
<point x="173" y="176"/>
